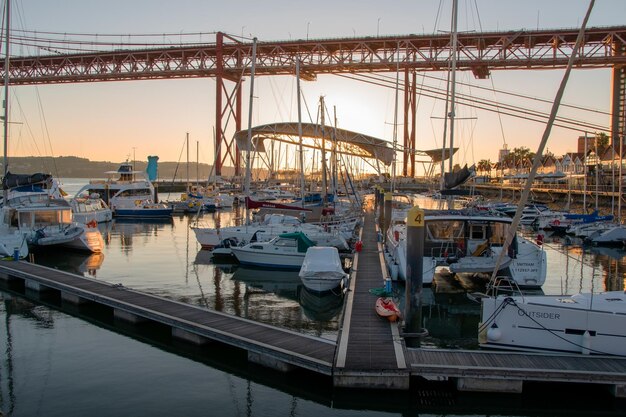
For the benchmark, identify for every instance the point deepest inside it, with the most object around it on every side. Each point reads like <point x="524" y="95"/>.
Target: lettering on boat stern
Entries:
<point x="539" y="314"/>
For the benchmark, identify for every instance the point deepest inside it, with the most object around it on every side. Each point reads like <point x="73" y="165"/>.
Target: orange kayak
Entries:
<point x="386" y="307"/>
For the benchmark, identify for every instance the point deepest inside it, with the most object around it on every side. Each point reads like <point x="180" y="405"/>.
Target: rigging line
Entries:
<point x="511" y="93"/>
<point x="47" y="131"/>
<point x="28" y="127"/>
<point x="571" y="124"/>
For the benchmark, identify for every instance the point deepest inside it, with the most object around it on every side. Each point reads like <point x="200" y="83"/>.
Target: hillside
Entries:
<point x="75" y="167"/>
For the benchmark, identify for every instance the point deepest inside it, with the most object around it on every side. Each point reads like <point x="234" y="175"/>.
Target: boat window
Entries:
<point x="285" y="243"/>
<point x="256" y="247"/>
<point x="445" y="229"/>
<point x="478" y="231"/>
<point x="44" y="218"/>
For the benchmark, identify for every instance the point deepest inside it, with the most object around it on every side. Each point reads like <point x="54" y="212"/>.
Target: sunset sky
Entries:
<point x="111" y="121"/>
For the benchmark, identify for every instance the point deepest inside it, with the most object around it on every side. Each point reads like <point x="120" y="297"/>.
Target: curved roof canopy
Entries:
<point x="350" y="143"/>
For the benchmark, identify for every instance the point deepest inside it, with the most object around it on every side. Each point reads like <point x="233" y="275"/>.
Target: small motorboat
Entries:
<point x="387" y="308"/>
<point x="321" y="269"/>
<point x="286" y="251"/>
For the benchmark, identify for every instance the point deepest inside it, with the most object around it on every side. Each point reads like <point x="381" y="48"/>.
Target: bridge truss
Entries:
<point x="228" y="60"/>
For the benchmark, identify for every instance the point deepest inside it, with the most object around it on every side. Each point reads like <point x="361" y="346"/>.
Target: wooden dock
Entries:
<point x="267" y="345"/>
<point x="369" y="352"/>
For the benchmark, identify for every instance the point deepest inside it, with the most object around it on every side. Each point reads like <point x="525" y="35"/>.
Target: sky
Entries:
<point x="113" y="121"/>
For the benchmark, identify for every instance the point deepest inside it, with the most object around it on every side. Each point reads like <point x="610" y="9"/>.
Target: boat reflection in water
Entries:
<point x="279" y="298"/>
<point x="76" y="262"/>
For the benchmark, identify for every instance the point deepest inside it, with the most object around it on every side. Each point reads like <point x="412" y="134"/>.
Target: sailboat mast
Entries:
<point x="187" y="146"/>
<point x="6" y="95"/>
<point x="300" y="132"/>
<point x="453" y="80"/>
<point x="248" y="167"/>
<point x="324" y="179"/>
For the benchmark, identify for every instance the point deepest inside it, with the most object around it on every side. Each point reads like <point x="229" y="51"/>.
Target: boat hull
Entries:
<point x="590" y="324"/>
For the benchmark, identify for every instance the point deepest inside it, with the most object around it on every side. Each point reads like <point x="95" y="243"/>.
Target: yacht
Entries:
<point x="128" y="193"/>
<point x="584" y="323"/>
<point x="45" y="221"/>
<point x="468" y="241"/>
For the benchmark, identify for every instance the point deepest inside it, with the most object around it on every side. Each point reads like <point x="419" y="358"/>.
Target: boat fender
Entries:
<point x="396" y="235"/>
<point x="358" y="246"/>
<point x="557" y="222"/>
<point x="92" y="224"/>
<point x="494" y="333"/>
<point x="539" y="239"/>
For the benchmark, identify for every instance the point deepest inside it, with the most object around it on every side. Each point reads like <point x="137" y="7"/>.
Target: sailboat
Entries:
<point x="466" y="241"/>
<point x="584" y="323"/>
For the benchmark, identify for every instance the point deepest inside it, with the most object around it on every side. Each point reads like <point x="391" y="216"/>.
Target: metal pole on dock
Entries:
<point x="414" y="279"/>
<point x="387" y="215"/>
<point x="380" y="206"/>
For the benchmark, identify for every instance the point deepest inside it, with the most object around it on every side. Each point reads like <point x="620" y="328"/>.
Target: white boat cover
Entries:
<point x="321" y="261"/>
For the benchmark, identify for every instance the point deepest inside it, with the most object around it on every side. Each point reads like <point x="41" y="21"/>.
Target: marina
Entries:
<point x="369" y="352"/>
<point x="324" y="261"/>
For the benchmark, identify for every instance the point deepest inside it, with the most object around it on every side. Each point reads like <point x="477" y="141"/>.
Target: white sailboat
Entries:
<point x="585" y="323"/>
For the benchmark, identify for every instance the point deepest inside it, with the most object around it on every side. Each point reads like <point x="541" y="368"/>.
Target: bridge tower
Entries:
<point x="618" y="100"/>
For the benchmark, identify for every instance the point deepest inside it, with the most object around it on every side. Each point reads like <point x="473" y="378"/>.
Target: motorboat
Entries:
<point x="469" y="241"/>
<point x="585" y="323"/>
<point x="127" y="192"/>
<point x="90" y="209"/>
<point x="44" y="221"/>
<point x="145" y="210"/>
<point x="271" y="226"/>
<point x="286" y="251"/>
<point x="322" y="269"/>
<point x="613" y="236"/>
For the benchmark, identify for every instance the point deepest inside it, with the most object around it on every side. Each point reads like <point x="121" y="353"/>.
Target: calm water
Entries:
<point x="59" y="362"/>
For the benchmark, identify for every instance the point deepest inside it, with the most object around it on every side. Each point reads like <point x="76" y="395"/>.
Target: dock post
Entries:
<point x="380" y="206"/>
<point x="414" y="277"/>
<point x="387" y="215"/>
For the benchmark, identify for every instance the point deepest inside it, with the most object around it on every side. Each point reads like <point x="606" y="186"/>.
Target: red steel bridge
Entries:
<point x="228" y="60"/>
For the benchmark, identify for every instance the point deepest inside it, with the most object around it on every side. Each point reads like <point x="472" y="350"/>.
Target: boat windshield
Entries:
<point x="445" y="230"/>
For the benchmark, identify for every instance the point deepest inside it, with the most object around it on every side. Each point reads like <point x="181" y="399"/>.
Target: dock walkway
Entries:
<point x="370" y="351"/>
<point x="268" y="345"/>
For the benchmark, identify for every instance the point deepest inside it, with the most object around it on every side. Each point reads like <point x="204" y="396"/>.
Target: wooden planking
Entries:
<point x="299" y="349"/>
<point x="517" y="365"/>
<point x="370" y="344"/>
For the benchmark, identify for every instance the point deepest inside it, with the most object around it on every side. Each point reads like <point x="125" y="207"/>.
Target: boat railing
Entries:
<point x="503" y="285"/>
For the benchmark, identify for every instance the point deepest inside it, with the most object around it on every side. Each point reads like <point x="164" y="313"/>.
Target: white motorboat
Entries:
<point x="44" y="221"/>
<point x="124" y="190"/>
<point x="271" y="226"/>
<point x="469" y="241"/>
<point x="90" y="209"/>
<point x="613" y="236"/>
<point x="321" y="269"/>
<point x="582" y="323"/>
<point x="286" y="251"/>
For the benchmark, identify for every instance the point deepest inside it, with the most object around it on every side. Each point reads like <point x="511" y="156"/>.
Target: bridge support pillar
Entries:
<point x="618" y="99"/>
<point x="410" y="112"/>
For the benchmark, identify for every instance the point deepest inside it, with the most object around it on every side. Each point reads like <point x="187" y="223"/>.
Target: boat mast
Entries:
<point x="301" y="150"/>
<point x="324" y="179"/>
<point x="250" y="104"/>
<point x="6" y="96"/>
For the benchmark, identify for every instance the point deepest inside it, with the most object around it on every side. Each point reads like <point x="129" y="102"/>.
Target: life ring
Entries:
<point x="92" y="224"/>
